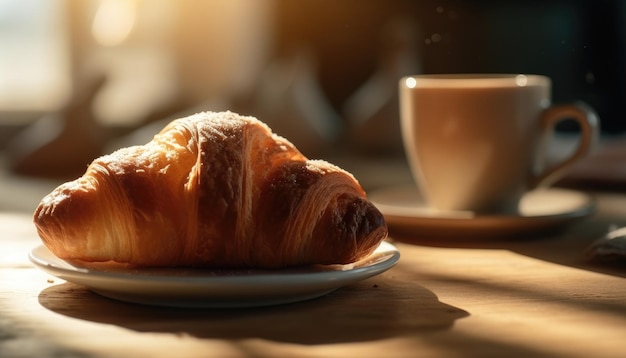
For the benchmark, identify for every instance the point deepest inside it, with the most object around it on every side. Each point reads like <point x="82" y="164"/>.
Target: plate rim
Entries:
<point x="241" y="290"/>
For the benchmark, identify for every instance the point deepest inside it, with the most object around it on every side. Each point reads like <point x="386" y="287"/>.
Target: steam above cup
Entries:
<point x="478" y="142"/>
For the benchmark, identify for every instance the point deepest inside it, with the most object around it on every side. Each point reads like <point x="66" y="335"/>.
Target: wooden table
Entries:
<point x="533" y="297"/>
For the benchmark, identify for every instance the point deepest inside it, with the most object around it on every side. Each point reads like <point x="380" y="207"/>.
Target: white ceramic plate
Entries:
<point x="541" y="211"/>
<point x="217" y="288"/>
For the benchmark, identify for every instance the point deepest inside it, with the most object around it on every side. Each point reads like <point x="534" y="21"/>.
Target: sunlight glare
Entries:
<point x="410" y="82"/>
<point x="114" y="21"/>
<point x="521" y="80"/>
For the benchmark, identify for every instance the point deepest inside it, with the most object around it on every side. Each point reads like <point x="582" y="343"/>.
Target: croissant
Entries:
<point x="211" y="190"/>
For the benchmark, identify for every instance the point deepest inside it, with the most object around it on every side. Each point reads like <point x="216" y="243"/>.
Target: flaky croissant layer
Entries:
<point x="211" y="190"/>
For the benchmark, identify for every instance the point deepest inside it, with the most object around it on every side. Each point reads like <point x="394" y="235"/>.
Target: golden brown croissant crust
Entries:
<point x="211" y="190"/>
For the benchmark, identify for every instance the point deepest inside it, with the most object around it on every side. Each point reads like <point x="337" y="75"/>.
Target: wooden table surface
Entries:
<point x="530" y="297"/>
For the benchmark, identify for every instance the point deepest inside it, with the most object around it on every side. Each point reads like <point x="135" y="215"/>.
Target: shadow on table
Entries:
<point x="365" y="311"/>
<point x="568" y="246"/>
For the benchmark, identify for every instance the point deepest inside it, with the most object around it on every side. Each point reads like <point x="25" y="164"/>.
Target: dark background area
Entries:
<point x="580" y="44"/>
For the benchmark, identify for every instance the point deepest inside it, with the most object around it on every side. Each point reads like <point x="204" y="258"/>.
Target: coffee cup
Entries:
<point x="478" y="142"/>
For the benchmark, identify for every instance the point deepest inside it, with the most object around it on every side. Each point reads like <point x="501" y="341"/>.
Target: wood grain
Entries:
<point x="529" y="297"/>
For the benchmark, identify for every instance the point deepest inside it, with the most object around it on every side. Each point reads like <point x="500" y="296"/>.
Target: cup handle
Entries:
<point x="589" y="131"/>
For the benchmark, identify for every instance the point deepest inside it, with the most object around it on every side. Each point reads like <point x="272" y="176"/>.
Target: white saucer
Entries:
<point x="195" y="288"/>
<point x="541" y="211"/>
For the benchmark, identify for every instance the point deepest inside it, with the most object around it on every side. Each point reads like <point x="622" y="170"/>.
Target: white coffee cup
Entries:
<point x="478" y="142"/>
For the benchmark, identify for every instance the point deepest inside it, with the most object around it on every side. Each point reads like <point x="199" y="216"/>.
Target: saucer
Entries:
<point x="541" y="211"/>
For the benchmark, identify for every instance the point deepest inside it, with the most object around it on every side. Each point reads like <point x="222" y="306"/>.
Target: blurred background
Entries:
<point x="80" y="78"/>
